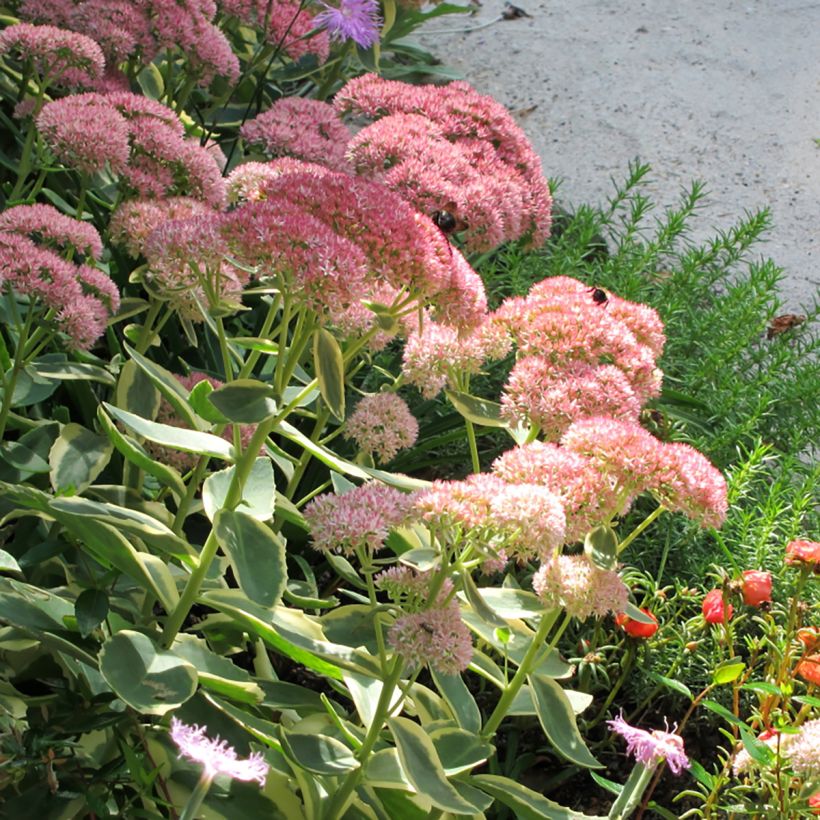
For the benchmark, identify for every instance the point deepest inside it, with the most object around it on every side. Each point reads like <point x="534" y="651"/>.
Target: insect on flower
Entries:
<point x="447" y="221"/>
<point x="599" y="296"/>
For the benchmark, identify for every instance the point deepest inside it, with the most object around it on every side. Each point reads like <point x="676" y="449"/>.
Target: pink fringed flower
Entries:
<point x="434" y="637"/>
<point x="575" y="583"/>
<point x="650" y="748"/>
<point x="382" y="424"/>
<point x="216" y="756"/>
<point x="356" y="20"/>
<point x="306" y="129"/>
<point x="359" y="519"/>
<point x="60" y="57"/>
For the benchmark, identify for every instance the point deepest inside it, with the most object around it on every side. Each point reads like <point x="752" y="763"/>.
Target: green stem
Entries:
<point x="223" y="349"/>
<point x="473" y="445"/>
<point x="632" y="792"/>
<point x="232" y="499"/>
<point x="191" y="810"/>
<point x="340" y="800"/>
<point x="17" y="367"/>
<point x="25" y="163"/>
<point x="641" y="527"/>
<point x="524" y="669"/>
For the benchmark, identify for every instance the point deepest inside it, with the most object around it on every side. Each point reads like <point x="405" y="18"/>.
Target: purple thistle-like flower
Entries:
<point x="356" y="20"/>
<point x="649" y="748"/>
<point x="216" y="756"/>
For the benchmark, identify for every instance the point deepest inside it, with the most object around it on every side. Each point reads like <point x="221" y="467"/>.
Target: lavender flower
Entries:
<point x="216" y="756"/>
<point x="649" y="748"/>
<point x="356" y="20"/>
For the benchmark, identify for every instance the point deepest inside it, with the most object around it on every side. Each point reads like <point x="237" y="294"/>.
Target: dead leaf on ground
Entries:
<point x="780" y="324"/>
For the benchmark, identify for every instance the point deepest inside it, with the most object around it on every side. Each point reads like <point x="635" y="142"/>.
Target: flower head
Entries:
<point x="216" y="756"/>
<point x="715" y="611"/>
<point x="382" y="424"/>
<point x="808" y="668"/>
<point x="356" y="20"/>
<point x="803" y="749"/>
<point x="804" y="554"/>
<point x="649" y="748"/>
<point x="756" y="587"/>
<point x="637" y="629"/>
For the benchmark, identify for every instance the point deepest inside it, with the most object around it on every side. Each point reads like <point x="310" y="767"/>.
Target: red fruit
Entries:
<point x="809" y="669"/>
<point x="713" y="608"/>
<point x="757" y="587"/>
<point x="636" y="629"/>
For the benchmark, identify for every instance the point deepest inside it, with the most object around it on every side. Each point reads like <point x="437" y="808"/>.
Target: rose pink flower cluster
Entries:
<point x="451" y="148"/>
<point x="435" y="637"/>
<point x="285" y="24"/>
<point x="246" y="183"/>
<point x="382" y="425"/>
<point x="60" y="57"/>
<point x="359" y="519"/>
<point x="125" y="29"/>
<point x="166" y="414"/>
<point x="582" y="589"/>
<point x="137" y="138"/>
<point x="78" y="298"/>
<point x="305" y="129"/>
<point x="288" y="229"/>
<point x="578" y="357"/>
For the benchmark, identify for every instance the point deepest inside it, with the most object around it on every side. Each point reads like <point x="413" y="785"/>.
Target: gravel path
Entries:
<point x="727" y="93"/>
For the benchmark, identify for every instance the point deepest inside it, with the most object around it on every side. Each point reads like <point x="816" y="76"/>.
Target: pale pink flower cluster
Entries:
<point x="434" y="637"/>
<point x="60" y="57"/>
<point x="682" y="478"/>
<point x="451" y="148"/>
<point x="215" y="755"/>
<point x="582" y="589"/>
<point x="246" y="183"/>
<point x="410" y="588"/>
<point x="359" y="519"/>
<point x="135" y="219"/>
<point x="803" y="749"/>
<point x="286" y="24"/>
<point x="577" y="357"/>
<point x="125" y="29"/>
<point x="166" y="414"/>
<point x="306" y="129"/>
<point x="382" y="425"/>
<point x="588" y="494"/>
<point x="525" y="520"/>
<point x="139" y="139"/>
<point x="650" y="748"/>
<point x="436" y="354"/>
<point x="289" y="229"/>
<point x="187" y="266"/>
<point x="78" y="298"/>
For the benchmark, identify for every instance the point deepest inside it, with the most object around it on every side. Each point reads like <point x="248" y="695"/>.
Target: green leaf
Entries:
<point x="259" y="496"/>
<point x="330" y="371"/>
<point x="459" y="750"/>
<point x="76" y="458"/>
<point x="72" y="371"/>
<point x="638" y="615"/>
<point x="19" y="456"/>
<point x="256" y="553"/>
<point x="728" y="671"/>
<point x="718" y="709"/>
<point x="557" y="719"/>
<point x="244" y="401"/>
<point x="148" y="679"/>
<point x="759" y="751"/>
<point x="30" y="388"/>
<point x="763" y="687"/>
<point x="151" y="82"/>
<point x="476" y="410"/>
<point x="319" y="754"/>
<point x="8" y="563"/>
<point x="256" y="343"/>
<point x="136" y="392"/>
<point x="512" y="603"/>
<point x="674" y="685"/>
<point x="423" y="768"/>
<point x="480" y="607"/>
<point x="177" y="438"/>
<point x="460" y="700"/>
<point x="133" y="452"/>
<point x="90" y="608"/>
<point x="525" y="803"/>
<point x="601" y="547"/>
<point x="200" y="402"/>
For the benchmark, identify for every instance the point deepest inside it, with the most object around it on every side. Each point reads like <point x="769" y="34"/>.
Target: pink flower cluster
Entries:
<point x="338" y="240"/>
<point x="286" y="24"/>
<point x="382" y="424"/>
<point x="60" y="57"/>
<point x="450" y="148"/>
<point x="359" y="519"/>
<point x="305" y="129"/>
<point x="125" y="30"/>
<point x="579" y="358"/>
<point x="78" y="298"/>
<point x="435" y="637"/>
<point x="582" y="589"/>
<point x="137" y="138"/>
<point x="411" y="589"/>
